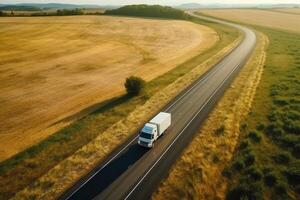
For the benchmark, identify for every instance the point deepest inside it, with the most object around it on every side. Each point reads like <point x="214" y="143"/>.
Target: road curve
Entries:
<point x="133" y="172"/>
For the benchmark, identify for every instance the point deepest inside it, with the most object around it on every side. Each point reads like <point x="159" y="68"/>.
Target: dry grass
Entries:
<point x="268" y="18"/>
<point x="204" y="159"/>
<point x="68" y="171"/>
<point x="288" y="10"/>
<point x="53" y="67"/>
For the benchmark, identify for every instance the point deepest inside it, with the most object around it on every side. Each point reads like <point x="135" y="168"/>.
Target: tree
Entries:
<point x="64" y="12"/>
<point x="148" y="11"/>
<point x="134" y="85"/>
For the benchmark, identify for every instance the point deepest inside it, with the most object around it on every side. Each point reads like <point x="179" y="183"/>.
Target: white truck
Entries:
<point x="154" y="129"/>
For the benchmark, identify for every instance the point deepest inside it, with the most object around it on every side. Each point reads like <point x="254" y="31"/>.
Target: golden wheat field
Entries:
<point x="54" y="67"/>
<point x="287" y="20"/>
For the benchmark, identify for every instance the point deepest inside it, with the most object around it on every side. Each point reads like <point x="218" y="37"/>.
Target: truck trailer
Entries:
<point x="154" y="129"/>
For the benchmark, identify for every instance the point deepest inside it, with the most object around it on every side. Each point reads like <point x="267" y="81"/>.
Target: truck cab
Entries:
<point x="154" y="129"/>
<point x="148" y="135"/>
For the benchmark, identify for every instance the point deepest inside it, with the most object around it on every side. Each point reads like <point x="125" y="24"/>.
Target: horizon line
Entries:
<point x="157" y="4"/>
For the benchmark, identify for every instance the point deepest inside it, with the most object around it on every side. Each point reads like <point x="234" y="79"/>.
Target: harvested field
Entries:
<point x="288" y="10"/>
<point x="269" y="18"/>
<point x="54" y="67"/>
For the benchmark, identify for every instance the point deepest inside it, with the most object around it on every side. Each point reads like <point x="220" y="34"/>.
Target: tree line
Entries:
<point x="60" y="12"/>
<point x="131" y="10"/>
<point x="75" y="11"/>
<point x="148" y="11"/>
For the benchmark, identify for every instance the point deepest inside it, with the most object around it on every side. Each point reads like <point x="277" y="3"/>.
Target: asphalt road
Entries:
<point x="133" y="172"/>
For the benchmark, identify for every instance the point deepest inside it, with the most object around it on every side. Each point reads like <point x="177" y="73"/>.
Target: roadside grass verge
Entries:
<point x="268" y="154"/>
<point x="50" y="167"/>
<point x="197" y="174"/>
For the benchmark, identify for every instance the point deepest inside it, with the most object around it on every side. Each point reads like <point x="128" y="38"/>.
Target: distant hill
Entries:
<point x="18" y="8"/>
<point x="47" y="6"/>
<point x="58" y="6"/>
<point x="144" y="10"/>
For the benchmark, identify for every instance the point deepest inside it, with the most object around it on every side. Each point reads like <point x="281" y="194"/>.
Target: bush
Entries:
<point x="238" y="165"/>
<point x="282" y="158"/>
<point x="274" y="115"/>
<point x="134" y="85"/>
<point x="274" y="92"/>
<point x="295" y="101"/>
<point x="215" y="158"/>
<point x="254" y="173"/>
<point x="31" y="164"/>
<point x="289" y="141"/>
<point x="291" y="127"/>
<point x="220" y="131"/>
<point x="244" y="145"/>
<point x="47" y="184"/>
<point x="246" y="190"/>
<point x="249" y="160"/>
<point x="293" y="115"/>
<point x="227" y="172"/>
<point x="293" y="173"/>
<point x="254" y="136"/>
<point x="280" y="102"/>
<point x="277" y="88"/>
<point x="296" y="150"/>
<point x="260" y="127"/>
<point x="274" y="131"/>
<point x="243" y="126"/>
<point x="270" y="179"/>
<point x="295" y="107"/>
<point x="267" y="170"/>
<point x="281" y="189"/>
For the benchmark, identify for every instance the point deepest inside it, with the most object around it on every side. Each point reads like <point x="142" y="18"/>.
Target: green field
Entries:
<point x="266" y="164"/>
<point x="39" y="159"/>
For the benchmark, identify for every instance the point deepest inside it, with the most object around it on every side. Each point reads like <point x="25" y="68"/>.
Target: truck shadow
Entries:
<point x="111" y="172"/>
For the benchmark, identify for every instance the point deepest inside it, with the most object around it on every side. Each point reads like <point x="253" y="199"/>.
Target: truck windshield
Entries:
<point x="146" y="135"/>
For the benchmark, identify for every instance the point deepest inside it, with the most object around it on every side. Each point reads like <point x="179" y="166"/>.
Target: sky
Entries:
<point x="162" y="2"/>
